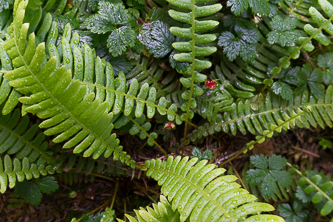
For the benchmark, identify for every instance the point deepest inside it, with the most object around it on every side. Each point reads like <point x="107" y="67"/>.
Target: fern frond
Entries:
<point x="162" y="211"/>
<point x="322" y="22"/>
<point x="16" y="170"/>
<point x="199" y="192"/>
<point x="318" y="188"/>
<point x="273" y="110"/>
<point x="190" y="50"/>
<point x="21" y="139"/>
<point x="8" y="95"/>
<point x="69" y="108"/>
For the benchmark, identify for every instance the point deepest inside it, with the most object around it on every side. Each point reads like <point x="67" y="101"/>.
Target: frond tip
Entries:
<point x="200" y="193"/>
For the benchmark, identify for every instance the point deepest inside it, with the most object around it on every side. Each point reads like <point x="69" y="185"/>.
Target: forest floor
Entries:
<point x="92" y="195"/>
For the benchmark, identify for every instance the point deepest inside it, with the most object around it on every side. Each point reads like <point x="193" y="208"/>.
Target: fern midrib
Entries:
<point x="134" y="98"/>
<point x="311" y="183"/>
<point x="269" y="111"/>
<point x="27" y="142"/>
<point x="54" y="98"/>
<point x="197" y="189"/>
<point x="192" y="73"/>
<point x="264" y="135"/>
<point x="297" y="50"/>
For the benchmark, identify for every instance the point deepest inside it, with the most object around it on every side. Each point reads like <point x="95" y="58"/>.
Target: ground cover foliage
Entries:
<point x="84" y="81"/>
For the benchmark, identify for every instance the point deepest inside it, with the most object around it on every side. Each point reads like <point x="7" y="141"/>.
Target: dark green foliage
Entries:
<point x="286" y="78"/>
<point x="242" y="43"/>
<point x="284" y="32"/>
<point x="205" y="155"/>
<point x="31" y="191"/>
<point x="157" y="39"/>
<point x="257" y="6"/>
<point x="113" y="17"/>
<point x="5" y="4"/>
<point x="270" y="175"/>
<point x="310" y="79"/>
<point x="326" y="62"/>
<point x="95" y="70"/>
<point x="314" y="187"/>
<point x="294" y="213"/>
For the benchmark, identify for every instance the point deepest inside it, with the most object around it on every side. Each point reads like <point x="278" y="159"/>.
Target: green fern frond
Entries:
<point x="162" y="211"/>
<point x="190" y="50"/>
<point x="318" y="188"/>
<point x="21" y="139"/>
<point x="273" y="110"/>
<point x="199" y="192"/>
<point x="16" y="170"/>
<point x="70" y="111"/>
<point x="8" y="95"/>
<point x="322" y="22"/>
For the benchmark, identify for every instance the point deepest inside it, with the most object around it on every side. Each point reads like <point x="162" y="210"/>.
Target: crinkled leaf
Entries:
<point x="196" y="153"/>
<point x="257" y="6"/>
<point x="301" y="195"/>
<point x="249" y="35"/>
<point x="260" y="6"/>
<point x="284" y="31"/>
<point x="157" y="38"/>
<point x="238" y="6"/>
<point x="207" y="155"/>
<point x="259" y="161"/>
<point x="273" y="10"/>
<point x="47" y="184"/>
<point x="5" y="4"/>
<point x="120" y="39"/>
<point x="109" y="16"/>
<point x="233" y="46"/>
<point x="283" y="89"/>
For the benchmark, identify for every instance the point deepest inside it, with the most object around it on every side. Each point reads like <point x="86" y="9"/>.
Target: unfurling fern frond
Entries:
<point x="70" y="111"/>
<point x="200" y="193"/>
<point x="17" y="170"/>
<point x="272" y="110"/>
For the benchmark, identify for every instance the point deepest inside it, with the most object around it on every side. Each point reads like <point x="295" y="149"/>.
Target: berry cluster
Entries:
<point x="211" y="84"/>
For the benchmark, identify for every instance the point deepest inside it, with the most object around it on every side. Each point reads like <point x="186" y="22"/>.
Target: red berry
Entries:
<point x="211" y="84"/>
<point x="169" y="126"/>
